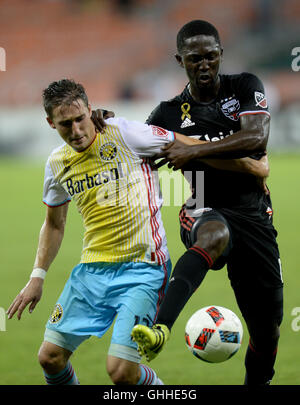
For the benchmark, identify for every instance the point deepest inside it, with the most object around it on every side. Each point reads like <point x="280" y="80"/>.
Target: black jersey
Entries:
<point x="238" y="95"/>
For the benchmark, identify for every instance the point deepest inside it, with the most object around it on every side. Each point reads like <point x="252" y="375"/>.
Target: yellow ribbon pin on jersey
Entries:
<point x="185" y="108"/>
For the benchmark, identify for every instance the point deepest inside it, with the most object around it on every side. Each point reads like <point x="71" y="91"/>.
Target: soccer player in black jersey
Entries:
<point x="235" y="225"/>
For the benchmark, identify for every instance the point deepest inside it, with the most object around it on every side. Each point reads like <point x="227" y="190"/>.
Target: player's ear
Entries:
<point x="50" y="122"/>
<point x="221" y="53"/>
<point x="179" y="60"/>
<point x="90" y="110"/>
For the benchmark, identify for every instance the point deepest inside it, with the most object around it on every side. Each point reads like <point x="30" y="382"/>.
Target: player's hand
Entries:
<point x="31" y="294"/>
<point x="99" y="116"/>
<point x="262" y="182"/>
<point x="176" y="154"/>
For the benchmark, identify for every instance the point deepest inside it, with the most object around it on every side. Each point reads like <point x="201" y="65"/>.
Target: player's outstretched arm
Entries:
<point x="258" y="168"/>
<point x="51" y="236"/>
<point x="244" y="165"/>
<point x="252" y="138"/>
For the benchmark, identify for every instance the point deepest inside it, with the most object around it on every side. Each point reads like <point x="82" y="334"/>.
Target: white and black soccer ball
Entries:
<point x="213" y="334"/>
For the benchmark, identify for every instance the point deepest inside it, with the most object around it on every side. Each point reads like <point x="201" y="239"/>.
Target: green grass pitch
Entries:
<point x="22" y="214"/>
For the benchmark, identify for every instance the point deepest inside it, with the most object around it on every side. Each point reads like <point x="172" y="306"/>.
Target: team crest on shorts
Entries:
<point x="56" y="314"/>
<point x="108" y="151"/>
<point x="230" y="108"/>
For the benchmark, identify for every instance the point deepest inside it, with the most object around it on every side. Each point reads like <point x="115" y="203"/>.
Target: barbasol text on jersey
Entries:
<point x="88" y="182"/>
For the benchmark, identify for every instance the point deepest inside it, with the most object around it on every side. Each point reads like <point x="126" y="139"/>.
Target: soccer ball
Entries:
<point x="213" y="334"/>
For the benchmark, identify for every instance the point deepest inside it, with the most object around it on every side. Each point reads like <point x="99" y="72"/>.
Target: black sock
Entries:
<point x="187" y="275"/>
<point x="260" y="365"/>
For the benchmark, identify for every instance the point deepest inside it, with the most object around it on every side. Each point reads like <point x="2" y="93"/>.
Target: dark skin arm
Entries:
<point x="99" y="116"/>
<point x="247" y="165"/>
<point x="252" y="138"/>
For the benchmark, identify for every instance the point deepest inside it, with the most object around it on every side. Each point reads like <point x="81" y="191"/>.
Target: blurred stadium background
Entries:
<point x="123" y="53"/>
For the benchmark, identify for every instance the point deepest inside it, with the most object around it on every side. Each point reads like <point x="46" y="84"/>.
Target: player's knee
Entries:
<point x="51" y="361"/>
<point x="213" y="236"/>
<point x="122" y="372"/>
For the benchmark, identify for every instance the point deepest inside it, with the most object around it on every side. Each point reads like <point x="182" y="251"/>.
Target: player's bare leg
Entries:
<point x="122" y="371"/>
<point x="55" y="363"/>
<point x="125" y="372"/>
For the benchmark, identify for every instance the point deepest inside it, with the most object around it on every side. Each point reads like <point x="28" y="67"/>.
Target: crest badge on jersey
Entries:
<point x="56" y="314"/>
<point x="260" y="99"/>
<point x="230" y="108"/>
<point x="108" y="151"/>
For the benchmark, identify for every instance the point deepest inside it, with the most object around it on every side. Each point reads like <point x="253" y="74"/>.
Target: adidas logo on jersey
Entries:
<point x="187" y="123"/>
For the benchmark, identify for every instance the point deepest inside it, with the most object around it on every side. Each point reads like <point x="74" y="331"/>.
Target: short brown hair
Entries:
<point x="64" y="91"/>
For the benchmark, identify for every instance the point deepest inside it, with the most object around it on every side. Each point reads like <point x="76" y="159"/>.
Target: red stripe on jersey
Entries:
<point x="254" y="112"/>
<point x="153" y="221"/>
<point x="163" y="258"/>
<point x="153" y="210"/>
<point x="161" y="292"/>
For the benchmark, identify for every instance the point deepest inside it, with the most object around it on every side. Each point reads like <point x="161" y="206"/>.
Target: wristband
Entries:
<point x="38" y="272"/>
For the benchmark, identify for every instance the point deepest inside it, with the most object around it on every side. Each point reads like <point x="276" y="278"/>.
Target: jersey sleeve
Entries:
<point x="156" y="117"/>
<point x="251" y="94"/>
<point x="143" y="139"/>
<point x="54" y="194"/>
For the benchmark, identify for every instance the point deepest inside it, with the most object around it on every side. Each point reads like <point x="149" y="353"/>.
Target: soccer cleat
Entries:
<point x="150" y="341"/>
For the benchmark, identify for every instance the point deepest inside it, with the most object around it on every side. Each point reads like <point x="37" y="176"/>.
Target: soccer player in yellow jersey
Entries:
<point x="125" y="264"/>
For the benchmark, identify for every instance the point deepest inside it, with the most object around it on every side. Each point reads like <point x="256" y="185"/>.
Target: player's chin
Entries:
<point x="80" y="144"/>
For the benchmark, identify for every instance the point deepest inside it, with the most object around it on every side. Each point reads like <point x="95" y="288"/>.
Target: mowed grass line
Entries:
<point x="22" y="214"/>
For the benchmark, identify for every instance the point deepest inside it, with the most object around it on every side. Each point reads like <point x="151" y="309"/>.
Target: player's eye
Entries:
<point x="211" y="56"/>
<point x="196" y="58"/>
<point x="66" y="124"/>
<point x="79" y="119"/>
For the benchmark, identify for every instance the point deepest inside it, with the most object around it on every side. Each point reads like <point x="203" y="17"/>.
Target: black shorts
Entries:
<point x="252" y="258"/>
<point x="252" y="254"/>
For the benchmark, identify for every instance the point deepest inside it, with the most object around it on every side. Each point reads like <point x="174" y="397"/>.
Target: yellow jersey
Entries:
<point x="115" y="190"/>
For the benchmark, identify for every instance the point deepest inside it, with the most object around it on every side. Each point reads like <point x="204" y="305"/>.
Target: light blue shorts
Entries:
<point x="97" y="293"/>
